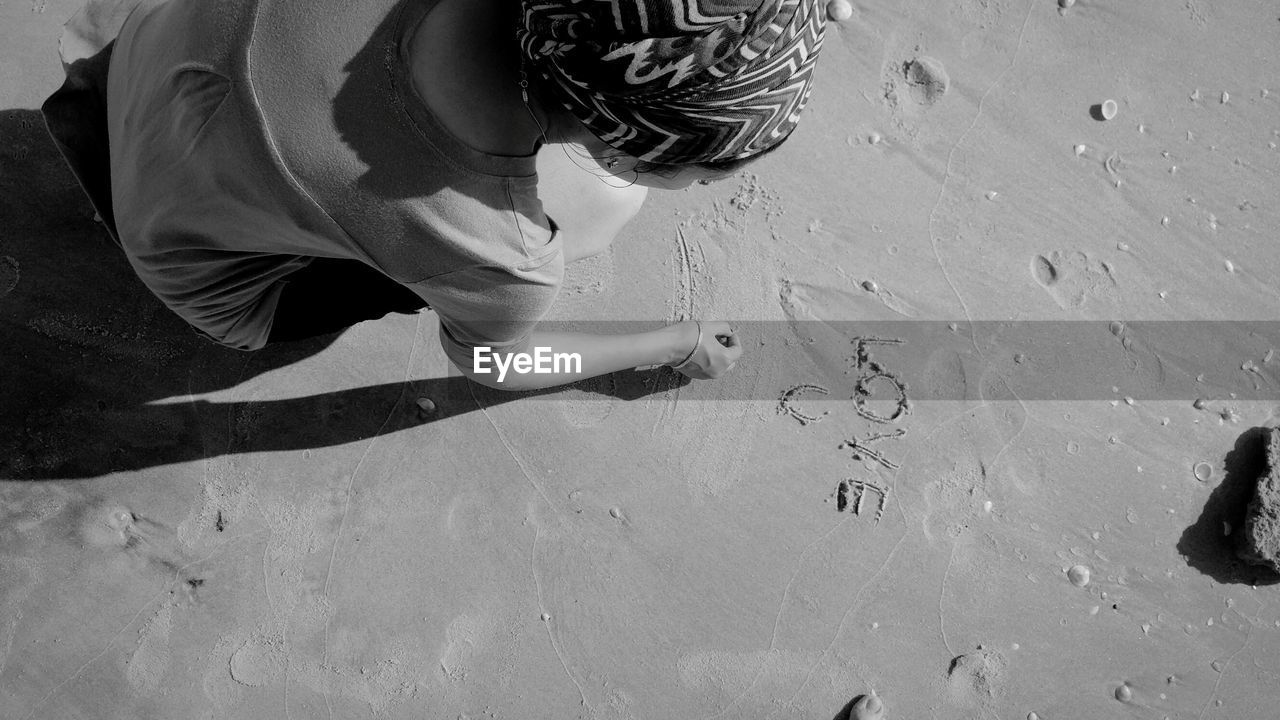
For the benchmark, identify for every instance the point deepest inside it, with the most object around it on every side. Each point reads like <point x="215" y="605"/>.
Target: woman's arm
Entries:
<point x="556" y="358"/>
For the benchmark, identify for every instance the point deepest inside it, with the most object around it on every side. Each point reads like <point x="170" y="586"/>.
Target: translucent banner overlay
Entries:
<point x="880" y="362"/>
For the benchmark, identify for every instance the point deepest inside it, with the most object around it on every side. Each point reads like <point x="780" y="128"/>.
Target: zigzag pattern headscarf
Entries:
<point x="678" y="81"/>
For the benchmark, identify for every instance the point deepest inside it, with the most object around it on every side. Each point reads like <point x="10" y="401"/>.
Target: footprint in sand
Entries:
<point x="910" y="86"/>
<point x="145" y="544"/>
<point x="945" y="377"/>
<point x="9" y="274"/>
<point x="1072" y="278"/>
<point x="927" y="80"/>
<point x="977" y="678"/>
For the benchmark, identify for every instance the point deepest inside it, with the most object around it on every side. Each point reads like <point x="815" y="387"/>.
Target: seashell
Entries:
<point x="839" y="10"/>
<point x="1080" y="150"/>
<point x="1064" y="4"/>
<point x="1079" y="575"/>
<point x="1109" y="109"/>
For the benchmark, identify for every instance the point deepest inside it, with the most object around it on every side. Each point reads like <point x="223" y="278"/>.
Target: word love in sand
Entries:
<point x="852" y="493"/>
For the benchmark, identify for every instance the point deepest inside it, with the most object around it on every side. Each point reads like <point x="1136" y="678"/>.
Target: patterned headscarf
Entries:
<point x="678" y="81"/>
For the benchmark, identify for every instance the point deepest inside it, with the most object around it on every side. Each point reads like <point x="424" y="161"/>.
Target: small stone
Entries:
<point x="616" y="513"/>
<point x="1080" y="149"/>
<point x="546" y="617"/>
<point x="1064" y="4"/>
<point x="1124" y="693"/>
<point x="870" y="286"/>
<point x="839" y="10"/>
<point x="426" y="405"/>
<point x="1202" y="471"/>
<point x="1226" y="97"/>
<point x="1199" y="404"/>
<point x="1259" y="542"/>
<point x="1079" y="575"/>
<point x="874" y="138"/>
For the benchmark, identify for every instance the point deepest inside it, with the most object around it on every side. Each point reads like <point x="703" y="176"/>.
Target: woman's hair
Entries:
<point x="680" y="82"/>
<point x="716" y="167"/>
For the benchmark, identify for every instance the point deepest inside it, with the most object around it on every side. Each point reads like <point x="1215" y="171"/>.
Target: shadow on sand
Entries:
<point x="1204" y="544"/>
<point x="87" y="352"/>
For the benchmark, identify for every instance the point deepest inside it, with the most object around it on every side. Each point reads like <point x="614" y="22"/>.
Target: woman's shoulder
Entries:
<point x="464" y="64"/>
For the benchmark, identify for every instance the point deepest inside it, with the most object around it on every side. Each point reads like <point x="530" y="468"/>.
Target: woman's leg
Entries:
<point x="331" y="295"/>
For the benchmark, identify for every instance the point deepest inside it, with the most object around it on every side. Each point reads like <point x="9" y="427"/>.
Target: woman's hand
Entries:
<point x="715" y="349"/>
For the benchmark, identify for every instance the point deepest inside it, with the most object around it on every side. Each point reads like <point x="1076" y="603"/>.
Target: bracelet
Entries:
<point x="682" y="363"/>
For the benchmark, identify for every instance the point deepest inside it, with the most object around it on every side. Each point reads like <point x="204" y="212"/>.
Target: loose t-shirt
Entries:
<point x="250" y="136"/>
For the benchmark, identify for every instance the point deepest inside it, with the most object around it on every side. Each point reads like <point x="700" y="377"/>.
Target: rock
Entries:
<point x="1260" y="539"/>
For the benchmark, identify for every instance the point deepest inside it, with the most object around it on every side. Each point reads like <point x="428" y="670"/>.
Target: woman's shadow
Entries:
<point x="91" y="359"/>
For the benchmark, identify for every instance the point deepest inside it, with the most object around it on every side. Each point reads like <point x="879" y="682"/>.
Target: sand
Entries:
<point x="187" y="531"/>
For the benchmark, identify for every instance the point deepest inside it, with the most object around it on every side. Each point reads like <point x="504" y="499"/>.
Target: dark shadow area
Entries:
<point x="385" y="130"/>
<point x="86" y="350"/>
<point x="1204" y="544"/>
<point x="846" y="712"/>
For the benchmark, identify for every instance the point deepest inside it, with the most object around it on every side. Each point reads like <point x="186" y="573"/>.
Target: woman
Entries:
<point x="286" y="168"/>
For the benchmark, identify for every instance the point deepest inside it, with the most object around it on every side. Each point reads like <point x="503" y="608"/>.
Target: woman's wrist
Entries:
<point x="682" y="343"/>
<point x="689" y="358"/>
